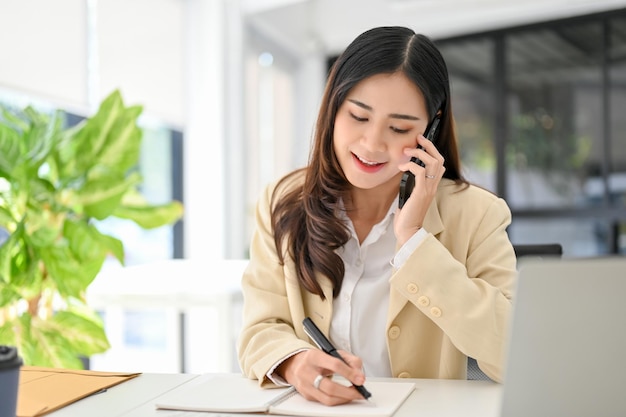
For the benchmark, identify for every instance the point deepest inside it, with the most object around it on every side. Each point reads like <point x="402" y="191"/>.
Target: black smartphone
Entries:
<point x="408" y="179"/>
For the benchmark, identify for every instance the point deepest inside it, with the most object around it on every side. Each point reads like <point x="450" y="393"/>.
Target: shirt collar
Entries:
<point x="432" y="221"/>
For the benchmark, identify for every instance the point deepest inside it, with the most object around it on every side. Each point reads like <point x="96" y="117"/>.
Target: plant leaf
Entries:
<point x="43" y="226"/>
<point x="10" y="153"/>
<point x="40" y="139"/>
<point x="102" y="195"/>
<point x="70" y="276"/>
<point x="24" y="277"/>
<point x="8" y="334"/>
<point x="57" y="342"/>
<point x="63" y="161"/>
<point x="113" y="246"/>
<point x="8" y="296"/>
<point x="111" y="138"/>
<point x="6" y="218"/>
<point x="84" y="335"/>
<point x="7" y="253"/>
<point x="123" y="145"/>
<point x="91" y="138"/>
<point x="88" y="243"/>
<point x="151" y="216"/>
<point x="52" y="349"/>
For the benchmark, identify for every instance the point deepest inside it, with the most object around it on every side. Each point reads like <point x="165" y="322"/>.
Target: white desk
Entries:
<point x="432" y="398"/>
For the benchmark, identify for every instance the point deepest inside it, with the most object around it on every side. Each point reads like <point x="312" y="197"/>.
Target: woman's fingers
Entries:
<point x="411" y="217"/>
<point x="333" y="392"/>
<point x="431" y="158"/>
<point x="310" y="372"/>
<point x="354" y="371"/>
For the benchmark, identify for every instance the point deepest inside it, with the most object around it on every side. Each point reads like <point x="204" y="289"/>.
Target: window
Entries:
<point x="471" y="68"/>
<point x="538" y="113"/>
<point x="554" y="101"/>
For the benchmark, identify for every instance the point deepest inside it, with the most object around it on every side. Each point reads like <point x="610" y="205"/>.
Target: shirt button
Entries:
<point x="412" y="288"/>
<point x="435" y="311"/>
<point x="404" y="375"/>
<point x="423" y="301"/>
<point x="346" y="297"/>
<point x="394" y="332"/>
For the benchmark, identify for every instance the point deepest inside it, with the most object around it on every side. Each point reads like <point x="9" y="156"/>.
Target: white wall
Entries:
<point x="43" y="50"/>
<point x="141" y="50"/>
<point x="53" y="51"/>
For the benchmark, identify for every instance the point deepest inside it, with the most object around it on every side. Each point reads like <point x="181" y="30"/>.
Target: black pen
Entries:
<point x="323" y="343"/>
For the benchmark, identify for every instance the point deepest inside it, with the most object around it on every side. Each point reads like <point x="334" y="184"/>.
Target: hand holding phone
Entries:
<point x="407" y="183"/>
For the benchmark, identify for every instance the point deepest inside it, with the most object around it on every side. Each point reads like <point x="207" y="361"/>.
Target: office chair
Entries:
<point x="541" y="250"/>
<point x="537" y="250"/>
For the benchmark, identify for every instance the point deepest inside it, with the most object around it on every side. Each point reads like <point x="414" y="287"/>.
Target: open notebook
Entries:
<point x="237" y="394"/>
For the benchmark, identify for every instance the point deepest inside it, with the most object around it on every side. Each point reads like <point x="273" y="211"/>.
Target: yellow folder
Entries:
<point x="43" y="390"/>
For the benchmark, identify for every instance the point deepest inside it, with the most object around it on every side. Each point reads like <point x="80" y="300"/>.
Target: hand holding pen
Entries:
<point x="302" y="369"/>
<point x="323" y="343"/>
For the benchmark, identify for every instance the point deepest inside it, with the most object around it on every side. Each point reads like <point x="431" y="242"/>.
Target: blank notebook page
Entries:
<point x="386" y="398"/>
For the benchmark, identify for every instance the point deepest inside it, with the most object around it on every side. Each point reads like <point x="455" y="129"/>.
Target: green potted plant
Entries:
<point x="54" y="182"/>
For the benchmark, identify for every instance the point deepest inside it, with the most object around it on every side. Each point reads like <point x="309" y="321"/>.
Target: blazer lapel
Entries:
<point x="321" y="311"/>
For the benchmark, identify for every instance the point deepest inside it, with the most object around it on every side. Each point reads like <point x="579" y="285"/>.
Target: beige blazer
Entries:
<point x="451" y="299"/>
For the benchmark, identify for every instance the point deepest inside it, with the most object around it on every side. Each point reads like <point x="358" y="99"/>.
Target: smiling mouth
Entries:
<point x="366" y="162"/>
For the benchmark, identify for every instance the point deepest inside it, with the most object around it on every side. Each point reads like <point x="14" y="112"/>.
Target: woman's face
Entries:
<point x="381" y="115"/>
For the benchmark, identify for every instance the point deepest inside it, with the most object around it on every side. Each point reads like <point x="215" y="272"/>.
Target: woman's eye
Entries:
<point x="357" y="118"/>
<point x="397" y="130"/>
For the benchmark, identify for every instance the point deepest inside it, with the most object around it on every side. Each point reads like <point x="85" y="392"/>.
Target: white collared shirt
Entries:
<point x="360" y="310"/>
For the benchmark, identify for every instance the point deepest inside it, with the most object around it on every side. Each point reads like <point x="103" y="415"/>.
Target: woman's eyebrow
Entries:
<point x="392" y="115"/>
<point x="360" y="104"/>
<point x="403" y="116"/>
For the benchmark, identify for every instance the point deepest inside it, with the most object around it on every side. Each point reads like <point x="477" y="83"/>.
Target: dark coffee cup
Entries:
<point x="10" y="364"/>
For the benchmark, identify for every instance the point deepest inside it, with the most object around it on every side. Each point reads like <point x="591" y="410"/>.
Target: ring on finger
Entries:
<point x="430" y="177"/>
<point x="318" y="381"/>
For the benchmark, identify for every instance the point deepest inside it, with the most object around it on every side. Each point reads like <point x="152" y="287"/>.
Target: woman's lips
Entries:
<point x="367" y="166"/>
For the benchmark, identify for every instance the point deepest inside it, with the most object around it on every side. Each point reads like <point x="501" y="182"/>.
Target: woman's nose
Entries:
<point x="374" y="138"/>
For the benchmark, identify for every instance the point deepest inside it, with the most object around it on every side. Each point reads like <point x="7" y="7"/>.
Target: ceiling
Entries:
<point x="302" y="27"/>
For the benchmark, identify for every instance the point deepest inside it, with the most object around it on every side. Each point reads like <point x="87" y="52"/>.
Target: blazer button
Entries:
<point x="404" y="375"/>
<point x="394" y="332"/>
<point x="412" y="288"/>
<point x="435" y="311"/>
<point x="423" y="301"/>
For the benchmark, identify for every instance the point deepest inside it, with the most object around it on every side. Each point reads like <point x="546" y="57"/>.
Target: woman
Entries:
<point x="402" y="292"/>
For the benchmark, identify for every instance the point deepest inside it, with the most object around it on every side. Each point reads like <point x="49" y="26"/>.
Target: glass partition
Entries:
<point x="539" y="118"/>
<point x="617" y="121"/>
<point x="579" y="237"/>
<point x="555" y="143"/>
<point x="471" y="70"/>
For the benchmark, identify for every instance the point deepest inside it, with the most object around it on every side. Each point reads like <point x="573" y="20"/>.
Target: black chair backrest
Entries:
<point x="540" y="249"/>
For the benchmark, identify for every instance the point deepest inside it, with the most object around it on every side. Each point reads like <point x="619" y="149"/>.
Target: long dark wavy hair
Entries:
<point x="305" y="218"/>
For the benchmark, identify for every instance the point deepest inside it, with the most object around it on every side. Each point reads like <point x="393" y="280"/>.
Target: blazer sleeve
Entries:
<point x="267" y="334"/>
<point x="465" y="278"/>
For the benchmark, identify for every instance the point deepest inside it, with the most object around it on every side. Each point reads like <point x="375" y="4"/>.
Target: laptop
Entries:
<point x="567" y="346"/>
